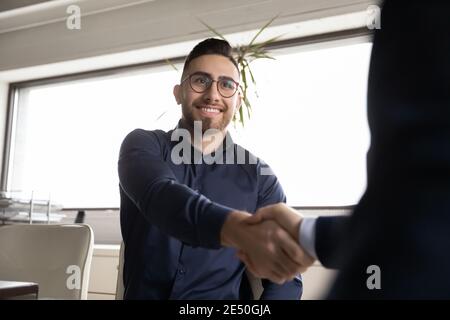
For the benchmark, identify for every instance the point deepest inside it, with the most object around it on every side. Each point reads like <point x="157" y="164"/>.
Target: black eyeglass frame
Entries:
<point x="189" y="76"/>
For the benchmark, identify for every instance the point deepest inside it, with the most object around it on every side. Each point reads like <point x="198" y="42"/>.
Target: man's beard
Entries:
<point x="207" y="123"/>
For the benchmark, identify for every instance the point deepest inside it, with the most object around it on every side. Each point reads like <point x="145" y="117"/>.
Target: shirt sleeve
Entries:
<point x="271" y="192"/>
<point x="174" y="208"/>
<point x="307" y="235"/>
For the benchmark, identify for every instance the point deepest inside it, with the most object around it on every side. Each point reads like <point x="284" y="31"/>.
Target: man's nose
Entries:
<point x="212" y="94"/>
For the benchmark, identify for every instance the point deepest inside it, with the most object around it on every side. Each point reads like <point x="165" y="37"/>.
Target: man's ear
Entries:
<point x="177" y="93"/>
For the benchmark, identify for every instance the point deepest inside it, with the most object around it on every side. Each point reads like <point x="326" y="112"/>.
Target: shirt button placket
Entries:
<point x="178" y="285"/>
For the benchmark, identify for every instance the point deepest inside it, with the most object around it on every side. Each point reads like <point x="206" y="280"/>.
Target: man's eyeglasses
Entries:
<point x="201" y="82"/>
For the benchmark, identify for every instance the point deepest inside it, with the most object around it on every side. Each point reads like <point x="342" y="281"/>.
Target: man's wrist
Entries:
<point x="231" y="227"/>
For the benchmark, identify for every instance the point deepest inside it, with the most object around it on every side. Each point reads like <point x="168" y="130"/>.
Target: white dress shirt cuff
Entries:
<point x="307" y="235"/>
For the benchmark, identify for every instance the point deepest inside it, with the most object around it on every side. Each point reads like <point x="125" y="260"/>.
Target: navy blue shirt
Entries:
<point x="171" y="216"/>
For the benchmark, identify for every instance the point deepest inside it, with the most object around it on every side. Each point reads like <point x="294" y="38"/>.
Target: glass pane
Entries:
<point x="309" y="123"/>
<point x="68" y="135"/>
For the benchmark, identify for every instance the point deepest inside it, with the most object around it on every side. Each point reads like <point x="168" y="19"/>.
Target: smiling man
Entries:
<point x="216" y="109"/>
<point x="182" y="221"/>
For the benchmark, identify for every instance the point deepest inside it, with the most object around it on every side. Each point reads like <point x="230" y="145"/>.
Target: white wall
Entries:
<point x="39" y="36"/>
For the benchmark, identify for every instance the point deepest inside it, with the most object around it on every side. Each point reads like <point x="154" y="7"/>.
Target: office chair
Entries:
<point x="57" y="257"/>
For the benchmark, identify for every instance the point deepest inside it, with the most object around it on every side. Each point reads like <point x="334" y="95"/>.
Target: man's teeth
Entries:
<point x="211" y="110"/>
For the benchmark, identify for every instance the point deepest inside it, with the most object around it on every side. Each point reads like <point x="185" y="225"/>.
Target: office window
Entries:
<point x="309" y="124"/>
<point x="68" y="135"/>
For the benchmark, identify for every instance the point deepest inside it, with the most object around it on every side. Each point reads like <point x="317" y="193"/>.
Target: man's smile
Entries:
<point x="209" y="110"/>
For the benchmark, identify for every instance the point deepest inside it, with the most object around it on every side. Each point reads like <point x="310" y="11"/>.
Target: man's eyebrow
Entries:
<point x="226" y="78"/>
<point x="209" y="75"/>
<point x="202" y="73"/>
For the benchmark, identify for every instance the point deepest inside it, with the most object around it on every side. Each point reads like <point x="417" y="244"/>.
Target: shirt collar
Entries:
<point x="228" y="140"/>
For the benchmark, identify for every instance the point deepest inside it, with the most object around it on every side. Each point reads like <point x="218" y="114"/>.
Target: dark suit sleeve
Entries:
<point x="329" y="236"/>
<point x="173" y="207"/>
<point x="271" y="192"/>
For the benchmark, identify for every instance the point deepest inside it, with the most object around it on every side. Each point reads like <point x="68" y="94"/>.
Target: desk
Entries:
<point x="14" y="289"/>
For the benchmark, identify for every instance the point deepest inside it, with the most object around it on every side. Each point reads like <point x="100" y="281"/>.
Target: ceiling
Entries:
<point x="140" y="31"/>
<point x="6" y="5"/>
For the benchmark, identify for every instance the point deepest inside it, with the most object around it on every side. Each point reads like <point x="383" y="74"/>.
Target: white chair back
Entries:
<point x="57" y="257"/>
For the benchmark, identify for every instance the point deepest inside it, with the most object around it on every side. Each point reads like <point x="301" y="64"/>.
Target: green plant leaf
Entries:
<point x="171" y="64"/>
<point x="244" y="80"/>
<point x="262" y="29"/>
<point x="161" y="115"/>
<point x="251" y="73"/>
<point x="261" y="56"/>
<point x="241" y="116"/>
<point x="263" y="44"/>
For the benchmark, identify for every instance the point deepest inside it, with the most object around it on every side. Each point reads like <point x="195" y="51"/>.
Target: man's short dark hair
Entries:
<point x="210" y="46"/>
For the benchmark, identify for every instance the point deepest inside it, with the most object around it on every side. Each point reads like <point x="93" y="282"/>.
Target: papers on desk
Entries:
<point x="36" y="217"/>
<point x="17" y="206"/>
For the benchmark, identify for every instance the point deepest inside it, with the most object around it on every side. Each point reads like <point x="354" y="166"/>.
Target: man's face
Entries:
<point x="210" y="106"/>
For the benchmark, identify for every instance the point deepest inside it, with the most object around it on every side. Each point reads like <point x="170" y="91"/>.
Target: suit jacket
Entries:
<point x="402" y="222"/>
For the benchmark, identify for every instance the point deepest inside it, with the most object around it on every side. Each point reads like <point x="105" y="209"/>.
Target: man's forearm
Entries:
<point x="229" y="235"/>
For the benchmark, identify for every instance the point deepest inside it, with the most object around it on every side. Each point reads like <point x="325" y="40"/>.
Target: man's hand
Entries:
<point x="270" y="252"/>
<point x="290" y="220"/>
<point x="284" y="215"/>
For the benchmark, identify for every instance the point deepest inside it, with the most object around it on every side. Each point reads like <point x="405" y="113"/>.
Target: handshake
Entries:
<point x="268" y="242"/>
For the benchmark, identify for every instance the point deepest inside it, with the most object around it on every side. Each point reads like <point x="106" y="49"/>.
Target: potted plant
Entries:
<point x="245" y="55"/>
